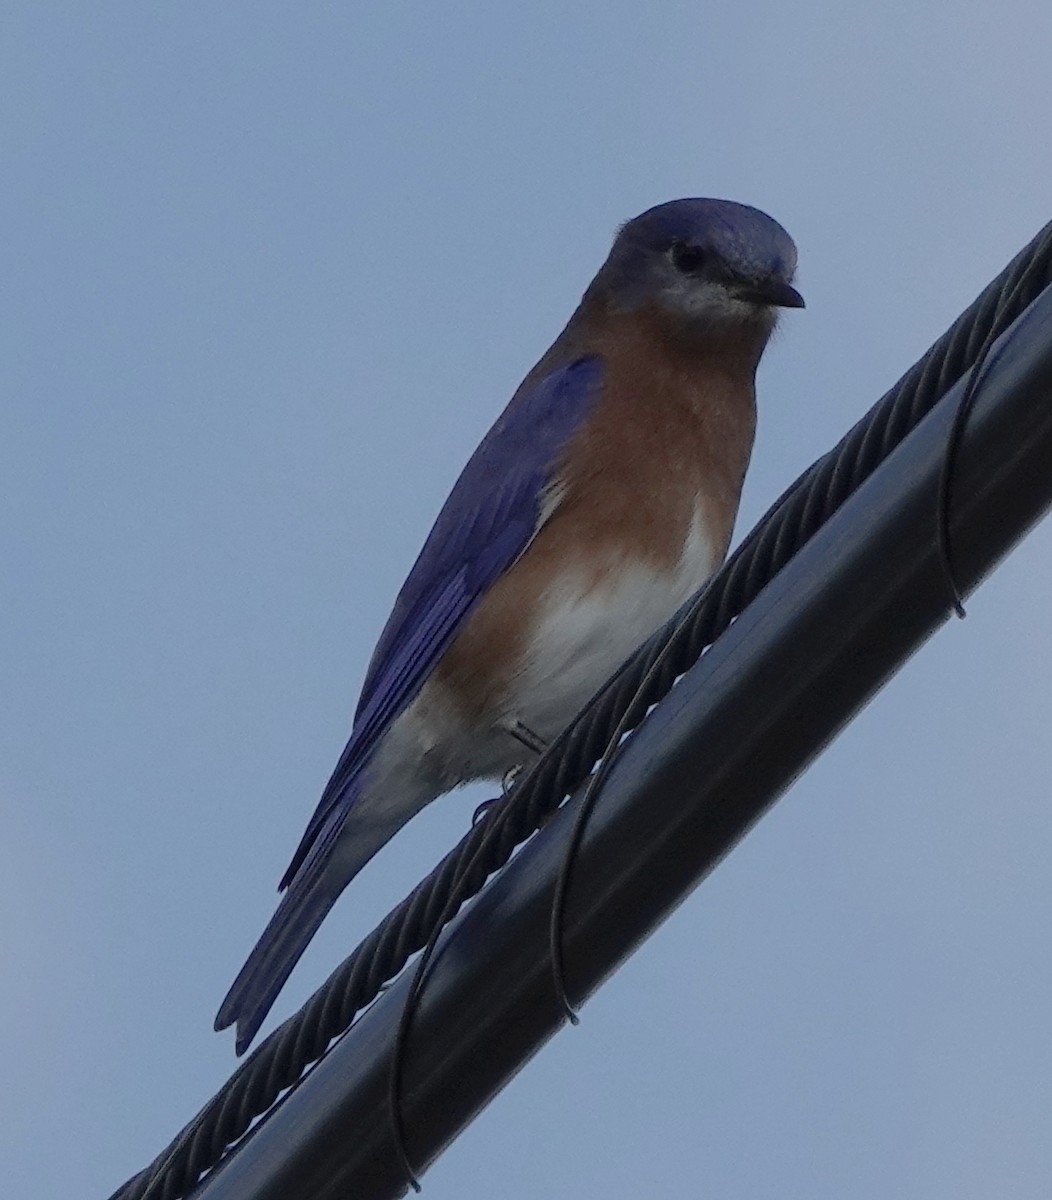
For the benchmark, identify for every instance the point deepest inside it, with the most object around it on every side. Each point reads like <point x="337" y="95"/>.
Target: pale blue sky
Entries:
<point x="268" y="273"/>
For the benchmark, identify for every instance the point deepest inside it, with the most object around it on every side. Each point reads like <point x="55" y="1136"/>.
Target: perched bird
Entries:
<point x="604" y="495"/>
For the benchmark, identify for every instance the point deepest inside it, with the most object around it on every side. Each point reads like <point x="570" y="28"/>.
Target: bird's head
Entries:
<point x="713" y="264"/>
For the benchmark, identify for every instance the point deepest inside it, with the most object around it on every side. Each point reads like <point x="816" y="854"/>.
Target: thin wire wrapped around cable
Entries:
<point x="281" y="1060"/>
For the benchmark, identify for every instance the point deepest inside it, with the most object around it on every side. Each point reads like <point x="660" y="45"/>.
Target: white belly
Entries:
<point x="584" y="633"/>
<point x="581" y="635"/>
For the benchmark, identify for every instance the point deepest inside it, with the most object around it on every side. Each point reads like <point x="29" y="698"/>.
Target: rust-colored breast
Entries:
<point x="669" y="442"/>
<point x="674" y="429"/>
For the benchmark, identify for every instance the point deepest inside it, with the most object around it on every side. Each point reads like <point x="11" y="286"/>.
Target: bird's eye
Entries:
<point x="687" y="258"/>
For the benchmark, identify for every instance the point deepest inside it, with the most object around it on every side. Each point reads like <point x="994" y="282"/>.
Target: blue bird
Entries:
<point x="601" y="499"/>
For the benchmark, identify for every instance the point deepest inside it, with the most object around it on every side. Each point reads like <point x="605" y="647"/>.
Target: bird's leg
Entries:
<point x="532" y="741"/>
<point x="509" y="778"/>
<point x="524" y="734"/>
<point x="507" y="782"/>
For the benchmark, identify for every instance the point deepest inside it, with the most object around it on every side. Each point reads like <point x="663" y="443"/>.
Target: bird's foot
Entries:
<point x="534" y="742"/>
<point x="510" y="778"/>
<point x="507" y="782"/>
<point x="484" y="808"/>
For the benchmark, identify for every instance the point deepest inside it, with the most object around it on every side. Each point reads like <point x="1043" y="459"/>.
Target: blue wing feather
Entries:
<point x="488" y="520"/>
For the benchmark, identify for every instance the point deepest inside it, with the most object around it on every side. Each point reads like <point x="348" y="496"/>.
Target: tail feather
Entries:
<point x="302" y="909"/>
<point x="338" y="854"/>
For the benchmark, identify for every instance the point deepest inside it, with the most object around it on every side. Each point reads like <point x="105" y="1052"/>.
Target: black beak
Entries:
<point x="775" y="292"/>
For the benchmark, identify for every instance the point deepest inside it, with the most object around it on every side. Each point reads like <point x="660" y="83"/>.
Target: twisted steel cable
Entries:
<point x="282" y="1059"/>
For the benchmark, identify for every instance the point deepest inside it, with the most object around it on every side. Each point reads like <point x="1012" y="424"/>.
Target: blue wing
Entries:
<point x="489" y="519"/>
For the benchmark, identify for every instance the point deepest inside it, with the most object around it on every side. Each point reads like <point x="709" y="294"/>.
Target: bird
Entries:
<point x="602" y="498"/>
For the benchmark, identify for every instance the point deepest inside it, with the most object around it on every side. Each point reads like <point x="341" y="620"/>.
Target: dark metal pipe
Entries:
<point x="819" y="641"/>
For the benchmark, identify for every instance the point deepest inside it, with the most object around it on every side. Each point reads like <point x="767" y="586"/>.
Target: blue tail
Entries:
<point x="302" y="909"/>
<point x="342" y="847"/>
